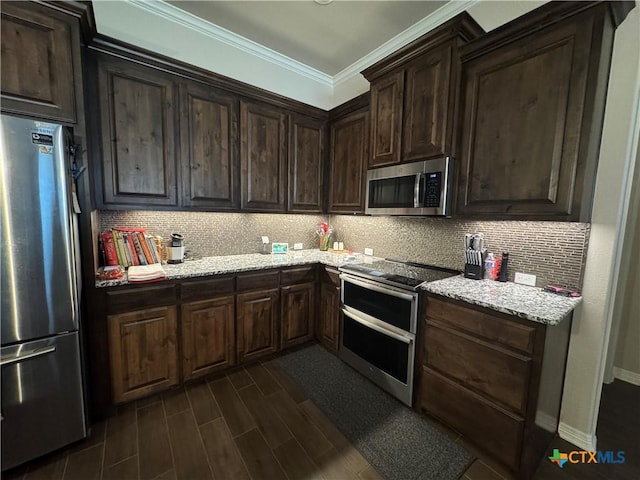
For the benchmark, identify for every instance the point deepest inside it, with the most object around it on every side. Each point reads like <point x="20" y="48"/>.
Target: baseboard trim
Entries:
<point x="546" y="421"/>
<point x="627" y="376"/>
<point x="580" y="439"/>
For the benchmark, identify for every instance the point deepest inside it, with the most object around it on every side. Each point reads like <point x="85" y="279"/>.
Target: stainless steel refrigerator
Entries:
<point x="42" y="387"/>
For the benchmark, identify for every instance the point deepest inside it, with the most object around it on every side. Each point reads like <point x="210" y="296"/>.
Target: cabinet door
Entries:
<point x="427" y="128"/>
<point x="40" y="51"/>
<point x="298" y="312"/>
<point x="263" y="142"/>
<point x="208" y="336"/>
<point x="210" y="162"/>
<point x="524" y="106"/>
<point x="329" y="318"/>
<point x="257" y="323"/>
<point x="138" y="134"/>
<point x="143" y="353"/>
<point x="386" y="119"/>
<point x="349" y="140"/>
<point x="306" y="151"/>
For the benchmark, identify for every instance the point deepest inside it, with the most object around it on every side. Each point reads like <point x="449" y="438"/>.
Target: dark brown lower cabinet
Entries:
<point x="257" y="324"/>
<point x="208" y="336"/>
<point x="298" y="309"/>
<point x="143" y="352"/>
<point x="495" y="378"/>
<point x="328" y="327"/>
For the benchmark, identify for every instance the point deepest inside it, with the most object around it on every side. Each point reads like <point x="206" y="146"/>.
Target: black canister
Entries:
<point x="502" y="276"/>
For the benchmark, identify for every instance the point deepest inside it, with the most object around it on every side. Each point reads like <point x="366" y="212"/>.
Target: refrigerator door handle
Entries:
<point x="36" y="352"/>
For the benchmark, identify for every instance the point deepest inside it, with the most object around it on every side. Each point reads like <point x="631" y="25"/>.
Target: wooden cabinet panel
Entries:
<point x="386" y="119"/>
<point x="328" y="327"/>
<point x="349" y="140"/>
<point x="427" y="131"/>
<point x="305" y="274"/>
<point x="138" y="134"/>
<point x="133" y="298"/>
<point x="524" y="108"/>
<point x="501" y="374"/>
<point x="475" y="418"/>
<point x="143" y="352"/>
<point x="259" y="280"/>
<point x="206" y="289"/>
<point x="263" y="154"/>
<point x="208" y="336"/>
<point x="491" y="326"/>
<point x="306" y="154"/>
<point x="210" y="162"/>
<point x="257" y="322"/>
<point x="40" y="58"/>
<point x="298" y="312"/>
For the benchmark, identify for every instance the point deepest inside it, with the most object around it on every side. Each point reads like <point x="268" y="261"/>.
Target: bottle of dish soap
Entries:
<point x="489" y="266"/>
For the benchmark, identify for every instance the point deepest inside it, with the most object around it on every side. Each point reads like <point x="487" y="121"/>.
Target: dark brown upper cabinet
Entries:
<point x="263" y="157"/>
<point x="387" y="95"/>
<point x="534" y="96"/>
<point x="40" y="61"/>
<point x="138" y="132"/>
<point x="348" y="162"/>
<point x="414" y="96"/>
<point x="209" y="148"/>
<point x="306" y="154"/>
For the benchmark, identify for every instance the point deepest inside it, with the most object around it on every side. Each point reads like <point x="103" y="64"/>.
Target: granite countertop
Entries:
<point x="247" y="262"/>
<point x="523" y="301"/>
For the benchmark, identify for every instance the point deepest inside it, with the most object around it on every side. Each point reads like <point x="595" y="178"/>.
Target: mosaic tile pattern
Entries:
<point x="526" y="302"/>
<point x="209" y="234"/>
<point x="553" y="251"/>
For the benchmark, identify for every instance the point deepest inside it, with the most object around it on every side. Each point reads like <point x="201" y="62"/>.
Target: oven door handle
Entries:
<point x="376" y="288"/>
<point x="377" y="328"/>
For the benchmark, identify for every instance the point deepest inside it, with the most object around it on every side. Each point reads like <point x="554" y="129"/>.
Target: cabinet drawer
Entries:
<point x="205" y="289"/>
<point x="138" y="298"/>
<point x="484" y="324"/>
<point x="262" y="280"/>
<point x="489" y="427"/>
<point x="298" y="275"/>
<point x="491" y="370"/>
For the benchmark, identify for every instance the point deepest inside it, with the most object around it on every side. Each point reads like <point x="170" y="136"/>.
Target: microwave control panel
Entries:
<point x="432" y="189"/>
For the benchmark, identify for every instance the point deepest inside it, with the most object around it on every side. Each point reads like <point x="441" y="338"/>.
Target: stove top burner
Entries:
<point x="407" y="275"/>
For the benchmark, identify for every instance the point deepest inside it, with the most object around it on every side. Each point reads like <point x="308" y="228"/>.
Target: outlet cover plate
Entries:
<point x="368" y="251"/>
<point x="525" y="279"/>
<point x="297" y="246"/>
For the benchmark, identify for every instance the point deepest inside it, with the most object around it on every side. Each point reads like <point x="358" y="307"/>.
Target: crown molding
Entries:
<point x="428" y="23"/>
<point x="197" y="24"/>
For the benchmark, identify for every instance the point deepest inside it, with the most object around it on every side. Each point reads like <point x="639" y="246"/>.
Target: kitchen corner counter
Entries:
<point x="243" y="263"/>
<point x="523" y="301"/>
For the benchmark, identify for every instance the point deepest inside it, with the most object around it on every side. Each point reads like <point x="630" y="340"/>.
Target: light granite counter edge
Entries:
<point x="511" y="298"/>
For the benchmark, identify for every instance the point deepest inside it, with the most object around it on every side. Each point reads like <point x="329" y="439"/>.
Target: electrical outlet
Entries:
<point x="297" y="246"/>
<point x="525" y="279"/>
<point x="368" y="251"/>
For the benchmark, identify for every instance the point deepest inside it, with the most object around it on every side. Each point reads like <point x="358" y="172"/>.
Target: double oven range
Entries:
<point x="380" y="306"/>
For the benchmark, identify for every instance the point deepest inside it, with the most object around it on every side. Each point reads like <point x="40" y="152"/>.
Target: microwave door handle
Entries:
<point x="375" y="327"/>
<point x="416" y="191"/>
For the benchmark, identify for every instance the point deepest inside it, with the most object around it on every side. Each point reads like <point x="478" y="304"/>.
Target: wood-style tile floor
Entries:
<point x="256" y="423"/>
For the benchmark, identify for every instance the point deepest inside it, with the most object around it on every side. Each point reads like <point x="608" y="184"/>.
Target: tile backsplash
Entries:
<point x="553" y="251"/>
<point x="209" y="234"/>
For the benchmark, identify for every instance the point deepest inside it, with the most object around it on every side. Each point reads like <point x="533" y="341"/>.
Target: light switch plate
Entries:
<point x="368" y="251"/>
<point x="297" y="246"/>
<point x="265" y="239"/>
<point x="525" y="279"/>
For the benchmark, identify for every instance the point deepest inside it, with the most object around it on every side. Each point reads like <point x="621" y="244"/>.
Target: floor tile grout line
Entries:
<point x="138" y="441"/>
<point x="123" y="460"/>
<point x="64" y="470"/>
<point x="195" y="422"/>
<point x="166" y="424"/>
<point x="104" y="448"/>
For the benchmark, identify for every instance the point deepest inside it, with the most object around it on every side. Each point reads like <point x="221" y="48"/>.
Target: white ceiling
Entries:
<point x="328" y="38"/>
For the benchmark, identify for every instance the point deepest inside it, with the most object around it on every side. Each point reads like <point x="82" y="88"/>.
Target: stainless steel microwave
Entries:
<point x="420" y="188"/>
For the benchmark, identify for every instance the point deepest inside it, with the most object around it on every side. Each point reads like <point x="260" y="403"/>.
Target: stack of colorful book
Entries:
<point x="130" y="247"/>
